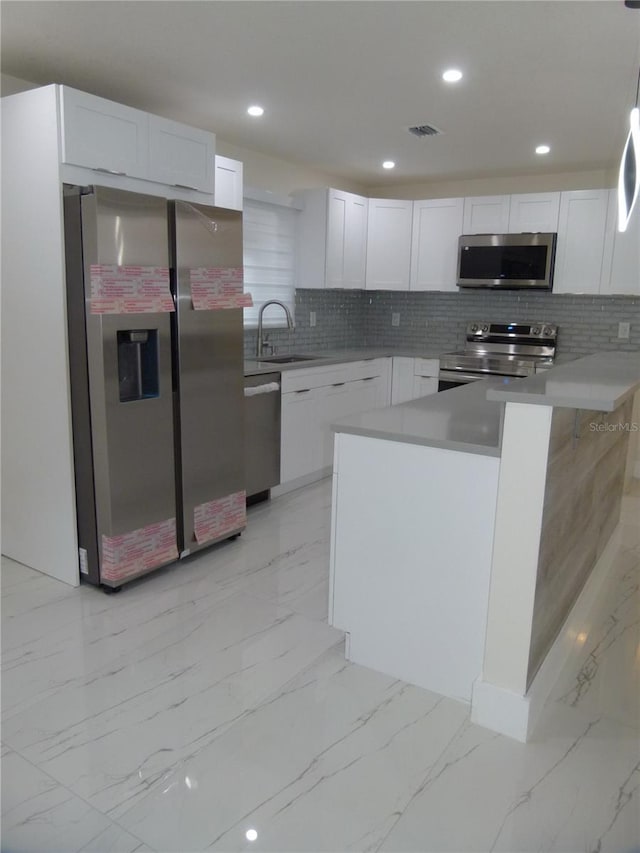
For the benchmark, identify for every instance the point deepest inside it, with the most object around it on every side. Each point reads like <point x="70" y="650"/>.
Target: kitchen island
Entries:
<point x="466" y="527"/>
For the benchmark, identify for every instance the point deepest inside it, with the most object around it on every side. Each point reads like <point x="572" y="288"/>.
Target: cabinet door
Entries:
<point x="180" y="155"/>
<point x="346" y="239"/>
<point x="228" y="183"/>
<point x="355" y="249"/>
<point x="337" y="401"/>
<point x="314" y="244"/>
<point x="302" y="438"/>
<point x="102" y="135"/>
<point x="389" y="244"/>
<point x="367" y="394"/>
<point x="336" y="237"/>
<point x="424" y="385"/>
<point x="437" y="225"/>
<point x="581" y="236"/>
<point x="621" y="265"/>
<point x="402" y="380"/>
<point x="487" y="214"/>
<point x="534" y="212"/>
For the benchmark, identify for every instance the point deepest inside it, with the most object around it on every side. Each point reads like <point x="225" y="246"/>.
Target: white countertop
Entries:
<point x="598" y="382"/>
<point x="458" y="419"/>
<point x="469" y="418"/>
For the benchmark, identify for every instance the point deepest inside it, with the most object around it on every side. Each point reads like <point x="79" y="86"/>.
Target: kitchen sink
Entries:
<point x="288" y="359"/>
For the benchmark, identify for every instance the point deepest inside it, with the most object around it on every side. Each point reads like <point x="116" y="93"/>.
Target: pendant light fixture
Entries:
<point x="629" y="175"/>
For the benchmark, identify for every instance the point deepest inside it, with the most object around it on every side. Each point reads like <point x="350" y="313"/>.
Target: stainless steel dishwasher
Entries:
<point x="262" y="434"/>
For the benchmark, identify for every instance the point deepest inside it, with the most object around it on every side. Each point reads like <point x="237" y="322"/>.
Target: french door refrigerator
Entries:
<point x="154" y="304"/>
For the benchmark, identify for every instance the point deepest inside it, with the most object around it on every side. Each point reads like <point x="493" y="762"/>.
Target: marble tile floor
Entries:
<point x="212" y="699"/>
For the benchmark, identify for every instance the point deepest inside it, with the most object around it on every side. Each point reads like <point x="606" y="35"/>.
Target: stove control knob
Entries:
<point x="474" y="327"/>
<point x="536" y="330"/>
<point x="548" y="331"/>
<point x="485" y="328"/>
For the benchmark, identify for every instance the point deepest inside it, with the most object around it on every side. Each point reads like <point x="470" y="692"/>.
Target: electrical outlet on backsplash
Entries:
<point x="353" y="319"/>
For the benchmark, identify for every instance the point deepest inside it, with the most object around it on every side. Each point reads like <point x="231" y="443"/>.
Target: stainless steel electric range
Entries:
<point x="499" y="349"/>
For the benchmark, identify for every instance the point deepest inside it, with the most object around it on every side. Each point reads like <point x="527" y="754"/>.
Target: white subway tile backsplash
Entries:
<point x="347" y="319"/>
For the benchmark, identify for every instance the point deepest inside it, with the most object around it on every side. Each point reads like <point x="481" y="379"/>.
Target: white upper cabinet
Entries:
<point x="437" y="225"/>
<point x="346" y="252"/>
<point x="355" y="242"/>
<point x="534" y="212"/>
<point x="621" y="265"/>
<point x="332" y="239"/>
<point x="389" y="244"/>
<point x="180" y="155"/>
<point x="228" y="183"/>
<point x="102" y="135"/>
<point x="581" y="239"/>
<point x="486" y="214"/>
<point x="122" y="142"/>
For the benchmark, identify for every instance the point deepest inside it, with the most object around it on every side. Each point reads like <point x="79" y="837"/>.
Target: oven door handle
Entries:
<point x="459" y="376"/>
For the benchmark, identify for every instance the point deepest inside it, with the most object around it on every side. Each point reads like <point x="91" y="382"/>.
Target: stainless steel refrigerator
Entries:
<point x="154" y="303"/>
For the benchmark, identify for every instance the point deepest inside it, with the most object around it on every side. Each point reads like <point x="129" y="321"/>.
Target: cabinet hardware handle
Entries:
<point x="369" y="378"/>
<point x="109" y="171"/>
<point x="337" y="384"/>
<point x="186" y="187"/>
<point x="303" y="391"/>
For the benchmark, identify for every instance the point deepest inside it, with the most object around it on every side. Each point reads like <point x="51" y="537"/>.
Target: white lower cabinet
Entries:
<point x="424" y="385"/>
<point x="402" y="380"/>
<point x="315" y="398"/>
<point x="413" y="378"/>
<point x="301" y="434"/>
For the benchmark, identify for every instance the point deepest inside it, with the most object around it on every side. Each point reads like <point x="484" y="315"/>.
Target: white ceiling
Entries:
<point x="342" y="81"/>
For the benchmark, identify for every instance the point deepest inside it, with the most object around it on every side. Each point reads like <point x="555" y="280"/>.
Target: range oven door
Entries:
<point x="452" y="378"/>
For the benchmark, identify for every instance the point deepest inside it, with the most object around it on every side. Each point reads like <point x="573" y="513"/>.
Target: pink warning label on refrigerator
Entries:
<point x="215" y="519"/>
<point x="216" y="288"/>
<point x="139" y="551"/>
<point x="130" y="289"/>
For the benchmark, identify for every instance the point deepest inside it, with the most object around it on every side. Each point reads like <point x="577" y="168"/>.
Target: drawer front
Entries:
<point x="334" y="374"/>
<point x="426" y="367"/>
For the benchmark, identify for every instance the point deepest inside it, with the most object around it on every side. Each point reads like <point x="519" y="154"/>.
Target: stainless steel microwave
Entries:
<point x="506" y="261"/>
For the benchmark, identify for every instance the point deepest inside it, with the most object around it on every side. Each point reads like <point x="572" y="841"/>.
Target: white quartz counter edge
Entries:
<point x="322" y="359"/>
<point x="460" y="419"/>
<point x="600" y="382"/>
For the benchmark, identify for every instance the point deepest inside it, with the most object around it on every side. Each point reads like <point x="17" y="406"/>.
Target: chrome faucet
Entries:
<point x="260" y="345"/>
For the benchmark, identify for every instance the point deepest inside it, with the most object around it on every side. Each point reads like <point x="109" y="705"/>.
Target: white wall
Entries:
<point x="498" y="185"/>
<point x="12" y="85"/>
<point x="265" y="172"/>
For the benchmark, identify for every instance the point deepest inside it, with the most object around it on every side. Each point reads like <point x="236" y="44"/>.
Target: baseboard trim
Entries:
<point x="299" y="482"/>
<point x="515" y="715"/>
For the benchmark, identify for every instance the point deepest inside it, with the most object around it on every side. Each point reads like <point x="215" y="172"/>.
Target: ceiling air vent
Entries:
<point x="422" y="130"/>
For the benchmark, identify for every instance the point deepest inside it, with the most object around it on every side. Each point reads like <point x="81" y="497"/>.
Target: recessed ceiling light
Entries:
<point x="543" y="149"/>
<point x="255" y="110"/>
<point x="388" y="164"/>
<point x="452" y="75"/>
